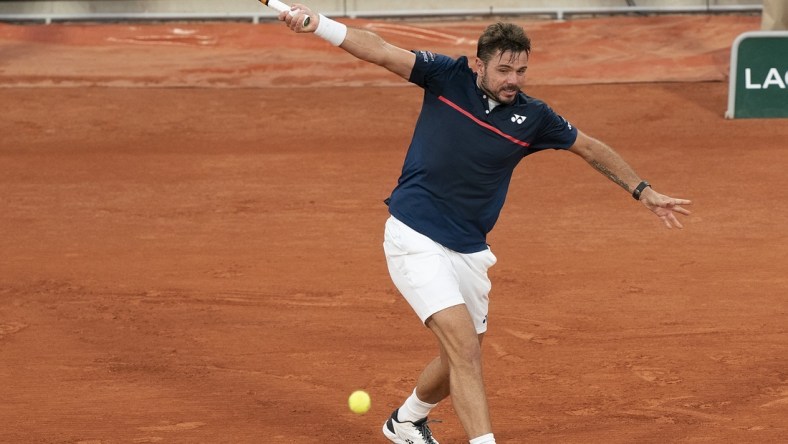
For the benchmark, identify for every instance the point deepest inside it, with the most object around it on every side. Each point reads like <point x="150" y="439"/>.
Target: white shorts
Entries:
<point x="432" y="277"/>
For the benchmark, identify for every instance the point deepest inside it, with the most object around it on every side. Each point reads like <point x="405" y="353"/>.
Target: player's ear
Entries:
<point x="479" y="65"/>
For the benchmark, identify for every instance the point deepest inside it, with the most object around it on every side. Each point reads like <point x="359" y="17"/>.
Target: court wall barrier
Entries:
<point x="64" y="10"/>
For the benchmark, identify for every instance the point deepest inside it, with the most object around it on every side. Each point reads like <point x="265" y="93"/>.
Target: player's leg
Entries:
<point x="433" y="383"/>
<point x="456" y="332"/>
<point x="423" y="274"/>
<point x="474" y="285"/>
<point x="432" y="386"/>
<point x="433" y="280"/>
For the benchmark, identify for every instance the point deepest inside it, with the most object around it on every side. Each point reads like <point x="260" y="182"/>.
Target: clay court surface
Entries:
<point x="191" y="224"/>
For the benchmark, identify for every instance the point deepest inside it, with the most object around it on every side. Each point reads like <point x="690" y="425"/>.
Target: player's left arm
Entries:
<point x="608" y="162"/>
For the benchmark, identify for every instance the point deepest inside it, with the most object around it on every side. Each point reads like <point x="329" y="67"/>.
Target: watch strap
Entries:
<point x="639" y="189"/>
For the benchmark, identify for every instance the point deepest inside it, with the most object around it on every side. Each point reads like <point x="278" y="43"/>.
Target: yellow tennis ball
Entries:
<point x="359" y="402"/>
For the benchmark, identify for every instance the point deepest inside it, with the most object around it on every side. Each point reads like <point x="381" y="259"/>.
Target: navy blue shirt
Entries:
<point x="461" y="157"/>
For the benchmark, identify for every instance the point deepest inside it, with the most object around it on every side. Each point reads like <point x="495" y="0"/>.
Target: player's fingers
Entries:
<point x="674" y="221"/>
<point x="295" y="20"/>
<point x="286" y="17"/>
<point x="666" y="221"/>
<point x="301" y="15"/>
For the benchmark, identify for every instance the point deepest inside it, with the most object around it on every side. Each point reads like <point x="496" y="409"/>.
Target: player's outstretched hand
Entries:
<point x="665" y="207"/>
<point x="296" y="20"/>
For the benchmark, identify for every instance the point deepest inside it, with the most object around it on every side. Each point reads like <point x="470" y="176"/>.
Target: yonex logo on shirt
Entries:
<point x="518" y="118"/>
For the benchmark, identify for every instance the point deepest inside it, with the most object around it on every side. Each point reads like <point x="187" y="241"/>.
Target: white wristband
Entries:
<point x="331" y="31"/>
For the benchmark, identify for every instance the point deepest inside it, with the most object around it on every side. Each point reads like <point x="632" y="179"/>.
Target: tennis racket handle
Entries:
<point x="279" y="6"/>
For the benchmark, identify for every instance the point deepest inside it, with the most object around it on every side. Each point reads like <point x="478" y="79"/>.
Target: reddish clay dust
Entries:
<point x="192" y="223"/>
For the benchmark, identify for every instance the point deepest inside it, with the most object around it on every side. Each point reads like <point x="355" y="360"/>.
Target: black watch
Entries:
<point x="639" y="189"/>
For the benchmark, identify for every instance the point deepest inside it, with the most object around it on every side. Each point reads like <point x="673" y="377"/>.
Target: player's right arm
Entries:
<point x="361" y="43"/>
<point x="370" y="47"/>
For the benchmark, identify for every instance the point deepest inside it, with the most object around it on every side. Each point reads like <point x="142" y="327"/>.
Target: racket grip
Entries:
<point x="279" y="6"/>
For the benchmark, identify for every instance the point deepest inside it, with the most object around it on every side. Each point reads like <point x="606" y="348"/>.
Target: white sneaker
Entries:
<point x="407" y="432"/>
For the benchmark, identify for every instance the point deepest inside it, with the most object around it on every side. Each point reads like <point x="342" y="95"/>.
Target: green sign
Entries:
<point x="759" y="75"/>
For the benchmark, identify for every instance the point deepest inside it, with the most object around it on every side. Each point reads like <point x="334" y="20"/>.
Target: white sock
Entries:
<point x="414" y="409"/>
<point x="484" y="439"/>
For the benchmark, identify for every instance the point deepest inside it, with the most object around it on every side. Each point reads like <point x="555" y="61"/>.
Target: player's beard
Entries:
<point x="496" y="95"/>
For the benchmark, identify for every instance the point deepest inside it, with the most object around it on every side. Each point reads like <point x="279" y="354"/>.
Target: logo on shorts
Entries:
<point x="518" y="118"/>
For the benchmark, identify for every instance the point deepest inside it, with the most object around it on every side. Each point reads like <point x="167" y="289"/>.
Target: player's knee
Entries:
<point x="466" y="356"/>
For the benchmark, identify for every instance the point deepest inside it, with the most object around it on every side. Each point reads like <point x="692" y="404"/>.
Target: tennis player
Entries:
<point x="475" y="127"/>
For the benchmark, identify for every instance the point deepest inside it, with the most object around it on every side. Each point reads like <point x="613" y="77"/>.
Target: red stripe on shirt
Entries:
<point x="482" y="124"/>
